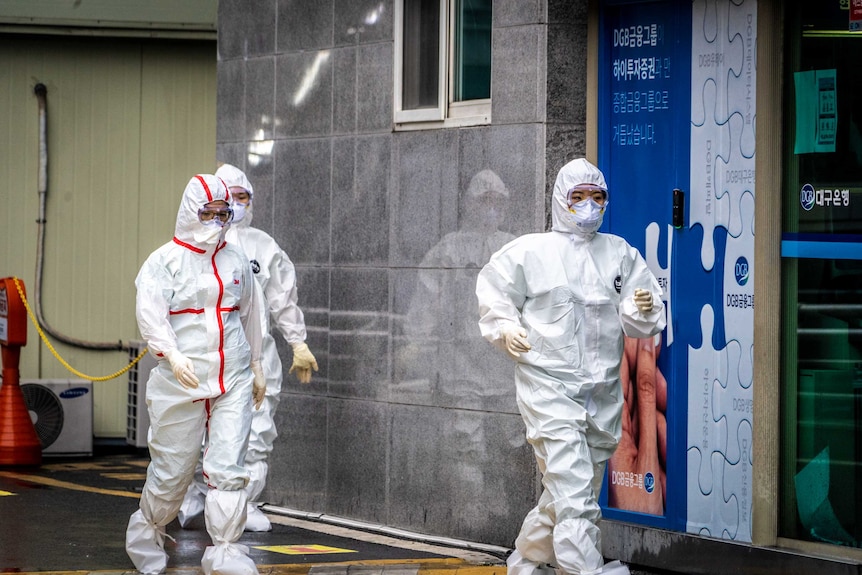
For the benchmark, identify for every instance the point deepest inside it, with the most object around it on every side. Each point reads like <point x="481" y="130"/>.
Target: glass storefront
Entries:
<point x="821" y="488"/>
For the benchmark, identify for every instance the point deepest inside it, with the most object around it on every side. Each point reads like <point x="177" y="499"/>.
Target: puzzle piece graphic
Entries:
<point x="709" y="512"/>
<point x="739" y="290"/>
<point x="694" y="488"/>
<point x="718" y="54"/>
<point x="742" y="26"/>
<point x="662" y="274"/>
<point x="707" y="206"/>
<point x="722" y="120"/>
<point x="706" y="432"/>
<point x="738" y="481"/>
<point x="732" y="403"/>
<point x="720" y="371"/>
<point x="719" y="424"/>
<point x="725" y="510"/>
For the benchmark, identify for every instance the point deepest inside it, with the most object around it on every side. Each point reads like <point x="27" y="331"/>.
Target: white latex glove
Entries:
<point x="183" y="368"/>
<point x="303" y="362"/>
<point x="515" y="340"/>
<point x="643" y="299"/>
<point x="258" y="392"/>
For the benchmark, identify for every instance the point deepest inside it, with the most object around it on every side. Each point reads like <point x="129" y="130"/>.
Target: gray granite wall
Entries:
<point x="411" y="421"/>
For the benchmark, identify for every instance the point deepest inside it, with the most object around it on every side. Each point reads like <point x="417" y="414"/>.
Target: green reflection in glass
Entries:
<point x="472" y="50"/>
<point x="821" y="434"/>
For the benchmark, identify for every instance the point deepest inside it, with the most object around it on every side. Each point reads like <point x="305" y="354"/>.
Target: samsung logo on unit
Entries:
<point x="74" y="392"/>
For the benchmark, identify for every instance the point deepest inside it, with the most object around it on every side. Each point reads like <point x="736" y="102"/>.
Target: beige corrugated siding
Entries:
<point x="129" y="122"/>
<point x="120" y="14"/>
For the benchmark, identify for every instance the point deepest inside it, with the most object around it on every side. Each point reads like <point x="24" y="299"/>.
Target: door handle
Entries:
<point x="678" y="217"/>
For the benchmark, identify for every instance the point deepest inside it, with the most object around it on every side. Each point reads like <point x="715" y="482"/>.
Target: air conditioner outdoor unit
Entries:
<point x="62" y="412"/>
<point x="137" y="417"/>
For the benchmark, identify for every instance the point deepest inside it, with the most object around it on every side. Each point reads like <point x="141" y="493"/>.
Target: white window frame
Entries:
<point x="447" y="113"/>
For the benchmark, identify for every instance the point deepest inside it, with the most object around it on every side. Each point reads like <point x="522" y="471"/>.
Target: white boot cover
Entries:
<point x="225" y="513"/>
<point x="145" y="544"/>
<point x="517" y="565"/>
<point x="615" y="568"/>
<point x="256" y="520"/>
<point x="577" y="544"/>
<point x="535" y="542"/>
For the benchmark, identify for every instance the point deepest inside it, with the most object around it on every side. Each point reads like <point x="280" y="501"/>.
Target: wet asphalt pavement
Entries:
<point x="71" y="514"/>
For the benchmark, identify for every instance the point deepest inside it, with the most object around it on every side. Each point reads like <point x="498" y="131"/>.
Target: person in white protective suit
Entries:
<point x="198" y="311"/>
<point x="276" y="282"/>
<point x="559" y="303"/>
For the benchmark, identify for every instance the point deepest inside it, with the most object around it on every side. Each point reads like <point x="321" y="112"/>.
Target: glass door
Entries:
<point x="821" y="497"/>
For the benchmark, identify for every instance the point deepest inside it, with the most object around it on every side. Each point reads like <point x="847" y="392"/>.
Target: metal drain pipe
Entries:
<point x="42" y="96"/>
<point x="500" y="552"/>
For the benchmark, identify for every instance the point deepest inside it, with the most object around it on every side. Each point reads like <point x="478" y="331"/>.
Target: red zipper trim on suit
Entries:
<point x="199" y="311"/>
<point x="179" y="242"/>
<point x="219" y="318"/>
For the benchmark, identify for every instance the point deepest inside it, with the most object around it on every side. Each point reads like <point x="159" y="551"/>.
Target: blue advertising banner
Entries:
<point x="643" y="151"/>
<point x="676" y="143"/>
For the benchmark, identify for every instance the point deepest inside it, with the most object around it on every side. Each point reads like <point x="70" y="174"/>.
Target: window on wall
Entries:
<point x="442" y="62"/>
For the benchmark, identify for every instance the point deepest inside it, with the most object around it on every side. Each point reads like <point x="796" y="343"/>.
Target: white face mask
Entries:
<point x="209" y="233"/>
<point x="238" y="211"/>
<point x="587" y="215"/>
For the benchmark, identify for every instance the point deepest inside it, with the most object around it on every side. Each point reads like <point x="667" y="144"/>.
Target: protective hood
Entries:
<point x="578" y="171"/>
<point x="487" y="182"/>
<point x="233" y="176"/>
<point x="201" y="189"/>
<point x="484" y="205"/>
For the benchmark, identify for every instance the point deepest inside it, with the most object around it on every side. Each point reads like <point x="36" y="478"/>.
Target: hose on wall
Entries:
<point x="42" y="96"/>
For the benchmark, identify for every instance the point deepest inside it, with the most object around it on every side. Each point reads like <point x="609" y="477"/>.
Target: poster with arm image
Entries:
<point x="676" y="112"/>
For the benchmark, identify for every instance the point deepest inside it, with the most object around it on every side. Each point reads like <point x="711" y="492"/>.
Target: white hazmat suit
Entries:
<point x="570" y="294"/>
<point x="198" y="312"/>
<point x="275" y="277"/>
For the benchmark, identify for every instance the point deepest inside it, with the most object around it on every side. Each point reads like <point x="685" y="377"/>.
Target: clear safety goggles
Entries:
<point x="221" y="216"/>
<point x="587" y="191"/>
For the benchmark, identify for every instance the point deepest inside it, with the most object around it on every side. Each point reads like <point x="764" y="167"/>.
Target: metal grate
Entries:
<point x="137" y="418"/>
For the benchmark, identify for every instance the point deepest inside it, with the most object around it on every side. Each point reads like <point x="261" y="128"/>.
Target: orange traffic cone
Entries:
<point x="19" y="444"/>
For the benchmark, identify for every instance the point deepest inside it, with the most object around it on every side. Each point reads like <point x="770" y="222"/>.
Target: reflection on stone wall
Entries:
<point x="411" y="421"/>
<point x="441" y="360"/>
